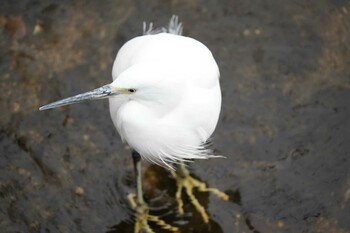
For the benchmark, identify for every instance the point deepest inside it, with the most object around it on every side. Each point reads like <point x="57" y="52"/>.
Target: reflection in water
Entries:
<point x="160" y="188"/>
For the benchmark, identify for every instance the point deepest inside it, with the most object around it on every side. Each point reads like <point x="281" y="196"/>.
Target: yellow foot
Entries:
<point x="143" y="218"/>
<point x="185" y="181"/>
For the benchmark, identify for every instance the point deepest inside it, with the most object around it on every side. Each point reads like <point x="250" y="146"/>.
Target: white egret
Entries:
<point x="165" y="102"/>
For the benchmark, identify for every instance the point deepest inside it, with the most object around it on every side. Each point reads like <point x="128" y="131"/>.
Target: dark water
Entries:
<point x="284" y="126"/>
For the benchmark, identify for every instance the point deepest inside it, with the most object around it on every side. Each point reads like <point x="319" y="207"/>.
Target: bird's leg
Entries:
<point x="138" y="178"/>
<point x="139" y="205"/>
<point x="186" y="182"/>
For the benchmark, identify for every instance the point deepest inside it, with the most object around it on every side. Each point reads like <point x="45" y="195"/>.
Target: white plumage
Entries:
<point x="177" y="101"/>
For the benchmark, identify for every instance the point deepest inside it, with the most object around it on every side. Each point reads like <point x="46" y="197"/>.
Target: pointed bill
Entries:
<point x="99" y="93"/>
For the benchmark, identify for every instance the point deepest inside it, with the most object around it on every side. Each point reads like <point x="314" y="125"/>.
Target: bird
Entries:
<point x="165" y="102"/>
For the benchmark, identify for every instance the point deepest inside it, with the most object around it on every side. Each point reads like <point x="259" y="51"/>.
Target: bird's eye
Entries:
<point x="131" y="90"/>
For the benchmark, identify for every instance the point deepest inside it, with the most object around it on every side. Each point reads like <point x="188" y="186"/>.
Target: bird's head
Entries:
<point x="142" y="82"/>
